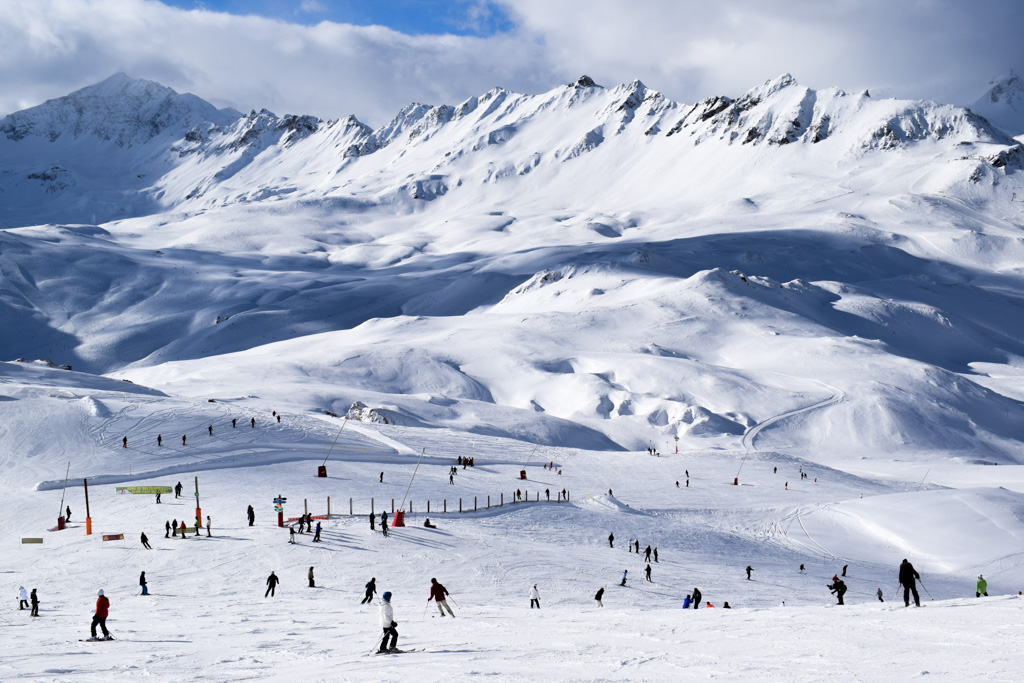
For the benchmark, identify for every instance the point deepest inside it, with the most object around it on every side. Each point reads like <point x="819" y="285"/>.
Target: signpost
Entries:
<point x="279" y="509"/>
<point x="199" y="511"/>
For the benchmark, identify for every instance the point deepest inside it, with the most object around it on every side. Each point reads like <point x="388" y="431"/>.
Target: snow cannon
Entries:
<point x="735" y="481"/>
<point x="522" y="474"/>
<point x="398" y="519"/>
<point x="321" y="471"/>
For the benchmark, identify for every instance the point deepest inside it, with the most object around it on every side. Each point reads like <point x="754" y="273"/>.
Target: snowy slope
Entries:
<point x="1003" y="104"/>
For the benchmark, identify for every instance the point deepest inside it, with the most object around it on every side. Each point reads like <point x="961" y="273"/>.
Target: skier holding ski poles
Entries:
<point x="908" y="579"/>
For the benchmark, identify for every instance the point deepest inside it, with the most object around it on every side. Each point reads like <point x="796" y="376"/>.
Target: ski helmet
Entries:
<point x="100" y="592"/>
<point x="386" y="596"/>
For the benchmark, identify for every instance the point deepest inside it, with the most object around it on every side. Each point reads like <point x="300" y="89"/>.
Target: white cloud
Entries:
<point x="312" y="6"/>
<point x="923" y="48"/>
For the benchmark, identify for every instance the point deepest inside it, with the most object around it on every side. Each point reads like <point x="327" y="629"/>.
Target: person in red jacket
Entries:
<point x="100" y="618"/>
<point x="437" y="594"/>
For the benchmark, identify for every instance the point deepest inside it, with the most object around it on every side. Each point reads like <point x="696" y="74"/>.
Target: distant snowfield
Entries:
<point x="792" y="281"/>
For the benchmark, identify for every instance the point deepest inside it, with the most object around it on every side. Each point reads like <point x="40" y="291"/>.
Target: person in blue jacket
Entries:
<point x="686" y="602"/>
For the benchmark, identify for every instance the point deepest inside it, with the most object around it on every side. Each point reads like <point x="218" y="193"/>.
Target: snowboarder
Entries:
<point x="726" y="605"/>
<point x="696" y="598"/>
<point x="879" y="594"/>
<point x="598" y="596"/>
<point x="174" y="528"/>
<point x="67" y="517"/>
<point x="624" y="572"/>
<point x="124" y="442"/>
<point x="142" y="582"/>
<point x="749" y="569"/>
<point x="686" y="602"/>
<point x="145" y="541"/>
<point x="844" y="569"/>
<point x="312" y="582"/>
<point x="371" y="588"/>
<point x="252" y="515"/>
<point x="979" y="590"/>
<point x="388" y="624"/>
<point x="372" y="518"/>
<point x="908" y="579"/>
<point x="647" y="572"/>
<point x="159" y="440"/>
<point x="534" y="597"/>
<point x="177" y="490"/>
<point x="611" y="540"/>
<point x="272" y="582"/>
<point x="655" y="554"/>
<point x="647" y="554"/>
<point x="22" y="598"/>
<point x="438" y="594"/>
<point x="100" y="618"/>
<point x="35" y="604"/>
<point x="428" y="524"/>
<point x="709" y="606"/>
<point x="316" y="536"/>
<point x="839" y="589"/>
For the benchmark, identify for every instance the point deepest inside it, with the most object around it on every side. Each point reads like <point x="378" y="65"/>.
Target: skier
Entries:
<point x="279" y="419"/>
<point x="624" y="572"/>
<point x="199" y="524"/>
<point x="142" y="582"/>
<point x="372" y="519"/>
<point x="388" y="624"/>
<point x="100" y="618"/>
<point x="316" y="537"/>
<point x="451" y="480"/>
<point x="749" y="569"/>
<point x="67" y="517"/>
<point x="182" y="529"/>
<point x="252" y="421"/>
<point x="252" y="515"/>
<point x="384" y="523"/>
<point x="158" y="499"/>
<point x="184" y="438"/>
<point x="908" y="579"/>
<point x="534" y="597"/>
<point x="879" y="594"/>
<point x="655" y="554"/>
<point x="437" y="594"/>
<point x="638" y="547"/>
<point x="775" y="470"/>
<point x="234" y="422"/>
<point x="272" y="582"/>
<point x="211" y="430"/>
<point x="677" y="483"/>
<point x="839" y="589"/>
<point x="291" y="534"/>
<point x="177" y="490"/>
<point x="647" y="554"/>
<point x="35" y="604"/>
<point x="174" y="528"/>
<point x="686" y="602"/>
<point x="696" y="598"/>
<point x="979" y="590"/>
<point x="844" y="569"/>
<point x="22" y="598"/>
<point x="124" y="442"/>
<point x="145" y="541"/>
<point x="801" y="567"/>
<point x="371" y="588"/>
<point x="208" y="526"/>
<point x="647" y="571"/>
<point x="312" y="583"/>
<point x="547" y="494"/>
<point x="598" y="596"/>
<point x="159" y="440"/>
<point x="611" y="540"/>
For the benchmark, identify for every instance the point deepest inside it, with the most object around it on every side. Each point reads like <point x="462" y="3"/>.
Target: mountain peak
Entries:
<point x="121" y="109"/>
<point x="1003" y="103"/>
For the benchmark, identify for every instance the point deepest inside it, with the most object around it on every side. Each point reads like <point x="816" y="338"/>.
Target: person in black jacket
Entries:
<point x="371" y="588"/>
<point x="696" y="598"/>
<point x="597" y="597"/>
<point x="272" y="582"/>
<point x="908" y="579"/>
<point x="252" y="515"/>
<point x="142" y="582"/>
<point x="35" y="603"/>
<point x="838" y="587"/>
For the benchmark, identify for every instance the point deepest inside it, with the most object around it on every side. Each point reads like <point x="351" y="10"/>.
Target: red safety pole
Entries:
<point x="88" y="519"/>
<point x="199" y="511"/>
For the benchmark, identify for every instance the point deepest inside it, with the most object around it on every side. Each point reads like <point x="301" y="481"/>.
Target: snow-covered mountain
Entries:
<point x="1003" y="104"/>
<point x="587" y="266"/>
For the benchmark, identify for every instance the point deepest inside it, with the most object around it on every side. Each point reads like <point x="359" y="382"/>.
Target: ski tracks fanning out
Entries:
<point x="751" y="434"/>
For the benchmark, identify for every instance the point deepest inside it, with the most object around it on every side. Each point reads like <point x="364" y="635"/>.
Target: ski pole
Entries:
<point x="376" y="645"/>
<point x="453" y="601"/>
<point x="897" y="594"/>
<point x="425" y="609"/>
<point x="926" y="589"/>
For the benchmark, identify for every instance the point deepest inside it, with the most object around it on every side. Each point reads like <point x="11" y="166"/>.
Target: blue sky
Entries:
<point x="413" y="17"/>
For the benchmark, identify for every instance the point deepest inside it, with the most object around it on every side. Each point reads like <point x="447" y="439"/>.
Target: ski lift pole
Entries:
<point x="344" y="422"/>
<point x="60" y="512"/>
<point x="411" y="479"/>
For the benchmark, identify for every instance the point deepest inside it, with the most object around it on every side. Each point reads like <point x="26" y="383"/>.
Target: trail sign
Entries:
<point x="150" y="490"/>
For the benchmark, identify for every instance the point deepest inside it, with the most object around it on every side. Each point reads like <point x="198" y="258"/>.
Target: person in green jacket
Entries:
<point x="981" y="588"/>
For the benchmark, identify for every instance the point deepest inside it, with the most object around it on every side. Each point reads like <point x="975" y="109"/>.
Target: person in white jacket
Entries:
<point x="23" y="597"/>
<point x="388" y="623"/>
<point x="534" y="597"/>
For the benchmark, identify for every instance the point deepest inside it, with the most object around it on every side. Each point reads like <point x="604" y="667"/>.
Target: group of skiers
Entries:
<point x="209" y="429"/>
<point x="172" y="528"/>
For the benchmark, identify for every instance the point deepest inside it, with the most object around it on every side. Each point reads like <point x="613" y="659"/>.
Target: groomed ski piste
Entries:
<point x="206" y="617"/>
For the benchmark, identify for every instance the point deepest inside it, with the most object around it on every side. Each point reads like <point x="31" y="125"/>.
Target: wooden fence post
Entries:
<point x="392" y="506"/>
<point x="305" y="505"/>
<point x="460" y="505"/>
<point x="328" y="507"/>
<point x="410" y="507"/>
<point x="502" y="504"/>
<point x="349" y="507"/>
<point x="446" y="505"/>
<point x="474" y="503"/>
<point x="488" y="502"/>
<point x="372" y="510"/>
<point x="428" y="507"/>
